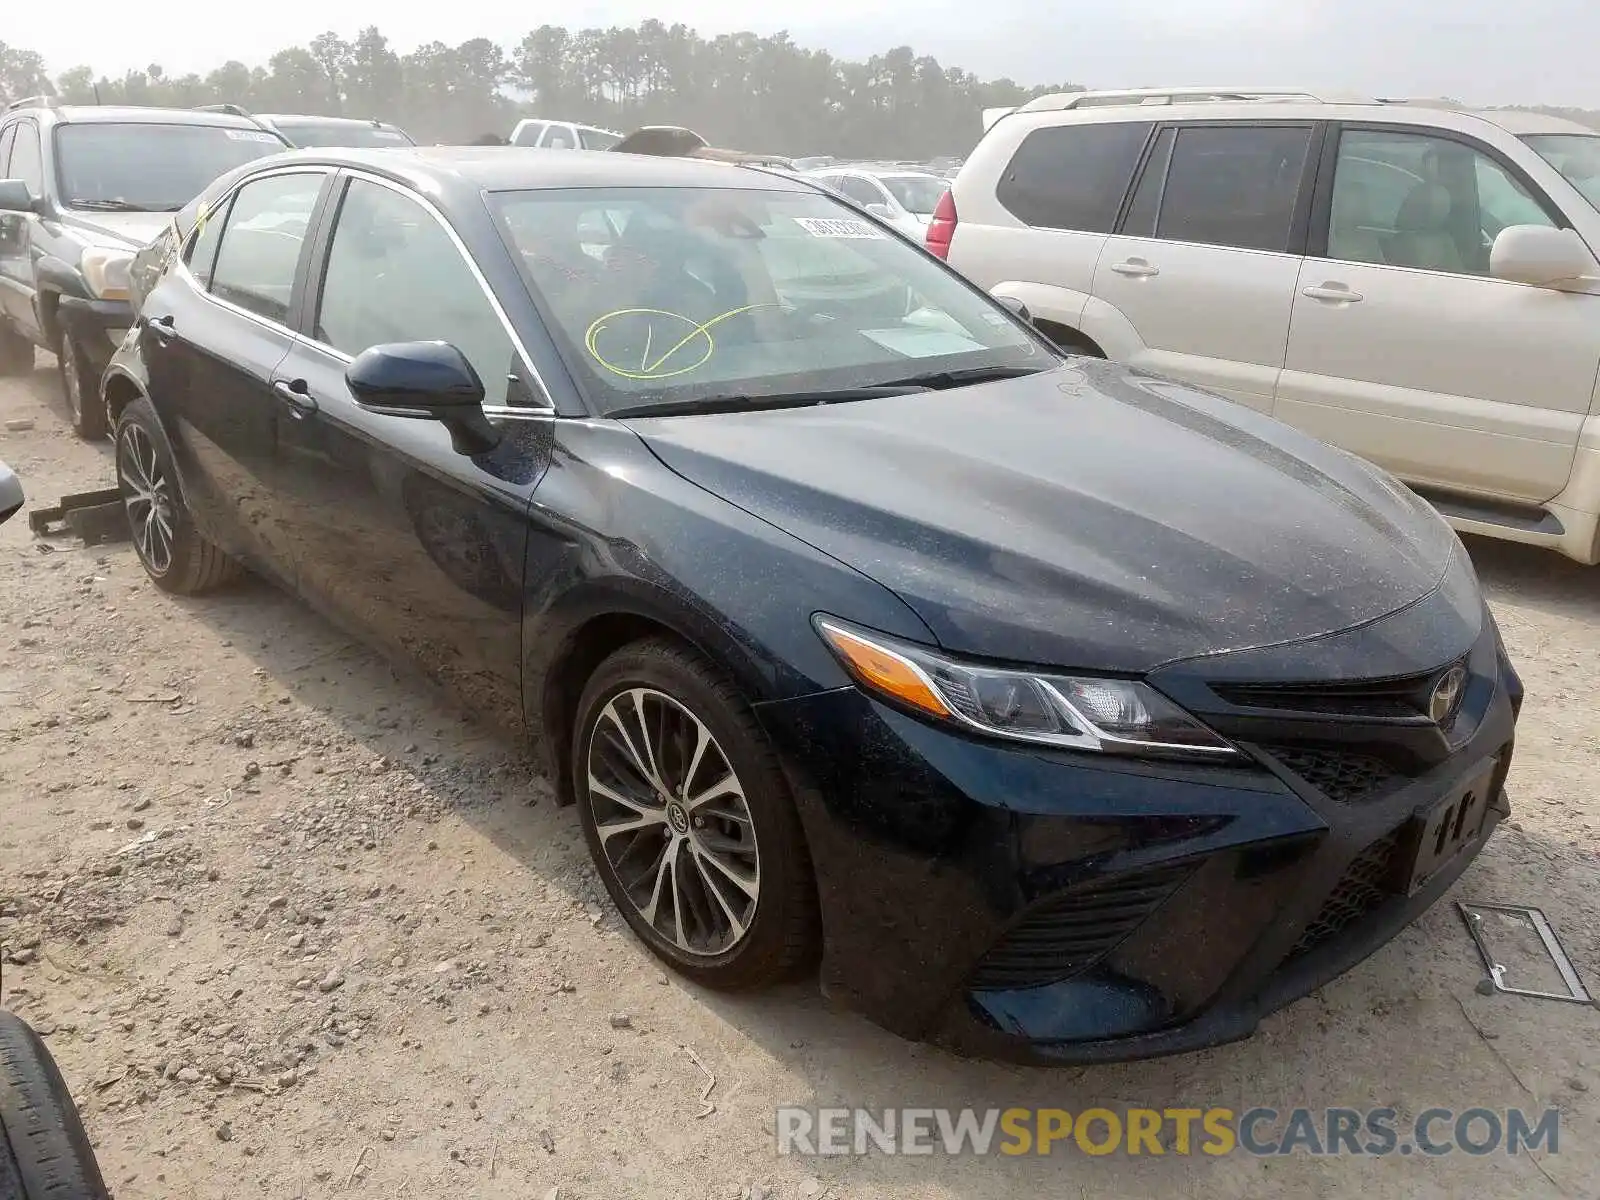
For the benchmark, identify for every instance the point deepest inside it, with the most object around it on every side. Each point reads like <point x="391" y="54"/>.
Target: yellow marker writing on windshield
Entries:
<point x="656" y="369"/>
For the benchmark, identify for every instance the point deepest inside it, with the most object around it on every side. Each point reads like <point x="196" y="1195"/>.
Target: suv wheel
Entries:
<point x="83" y="395"/>
<point x="175" y="555"/>
<point x="16" y="353"/>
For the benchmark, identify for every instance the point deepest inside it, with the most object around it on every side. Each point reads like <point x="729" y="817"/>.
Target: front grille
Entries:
<point x="1402" y="698"/>
<point x="1069" y="931"/>
<point x="1365" y="885"/>
<point x="1343" y="776"/>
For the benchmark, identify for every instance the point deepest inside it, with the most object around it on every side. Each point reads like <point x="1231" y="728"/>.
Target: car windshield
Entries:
<point x="338" y="133"/>
<point x="1576" y="156"/>
<point x="149" y="167"/>
<point x="663" y="296"/>
<point x="916" y="193"/>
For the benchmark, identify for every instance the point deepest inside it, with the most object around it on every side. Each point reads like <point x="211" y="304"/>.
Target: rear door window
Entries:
<point x="1234" y="185"/>
<point x="260" y="251"/>
<point x="1072" y="176"/>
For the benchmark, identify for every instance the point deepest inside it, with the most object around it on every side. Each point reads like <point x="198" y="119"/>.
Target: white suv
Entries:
<point x="1413" y="282"/>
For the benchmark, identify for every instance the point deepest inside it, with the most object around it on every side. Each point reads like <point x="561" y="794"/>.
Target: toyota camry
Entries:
<point x="1050" y="709"/>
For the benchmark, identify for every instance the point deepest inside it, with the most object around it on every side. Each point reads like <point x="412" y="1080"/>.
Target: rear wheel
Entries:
<point x="175" y="555"/>
<point x="88" y="411"/>
<point x="44" y="1151"/>
<point x="690" y="820"/>
<point x="16" y="352"/>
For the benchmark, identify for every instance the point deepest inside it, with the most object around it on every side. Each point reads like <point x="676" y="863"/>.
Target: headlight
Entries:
<point x="1111" y="716"/>
<point x="106" y="272"/>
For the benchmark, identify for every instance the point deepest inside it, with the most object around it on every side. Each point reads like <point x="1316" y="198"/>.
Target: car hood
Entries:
<point x="129" y="230"/>
<point x="1092" y="516"/>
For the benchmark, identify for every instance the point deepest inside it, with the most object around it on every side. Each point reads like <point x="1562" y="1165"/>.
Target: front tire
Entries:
<point x="175" y="555"/>
<point x="84" y="405"/>
<point x="44" y="1151"/>
<point x="690" y="820"/>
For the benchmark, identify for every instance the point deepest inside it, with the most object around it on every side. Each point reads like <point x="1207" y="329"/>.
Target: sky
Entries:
<point x="1480" y="51"/>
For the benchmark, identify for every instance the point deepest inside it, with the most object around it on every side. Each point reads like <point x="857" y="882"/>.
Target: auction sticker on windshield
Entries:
<point x="836" y="227"/>
<point x="249" y="135"/>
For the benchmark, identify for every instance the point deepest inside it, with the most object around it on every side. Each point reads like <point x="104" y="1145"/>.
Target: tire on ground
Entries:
<point x="82" y="393"/>
<point x="44" y="1151"/>
<point x="197" y="564"/>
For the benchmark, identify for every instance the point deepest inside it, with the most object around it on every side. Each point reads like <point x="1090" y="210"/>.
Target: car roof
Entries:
<point x="89" y="114"/>
<point x="314" y="119"/>
<point x="518" y="168"/>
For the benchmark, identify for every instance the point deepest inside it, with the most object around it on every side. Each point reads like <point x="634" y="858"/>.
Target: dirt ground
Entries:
<point x="294" y="928"/>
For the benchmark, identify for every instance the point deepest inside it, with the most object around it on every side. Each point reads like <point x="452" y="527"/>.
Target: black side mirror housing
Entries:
<point x="11" y="497"/>
<point x="15" y="197"/>
<point x="429" y="381"/>
<point x="1017" y="307"/>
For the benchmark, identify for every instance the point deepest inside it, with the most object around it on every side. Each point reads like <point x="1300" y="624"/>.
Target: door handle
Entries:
<point x="161" y="328"/>
<point x="1135" y="268"/>
<point x="296" y="395"/>
<point x="1337" y="293"/>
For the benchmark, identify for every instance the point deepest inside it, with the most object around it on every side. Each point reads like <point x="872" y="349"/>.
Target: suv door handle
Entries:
<point x="1135" y="268"/>
<point x="161" y="328"/>
<point x="1337" y="293"/>
<point x="298" y="397"/>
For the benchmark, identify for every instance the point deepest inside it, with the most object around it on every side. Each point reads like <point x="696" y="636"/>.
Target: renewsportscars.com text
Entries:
<point x="1213" y="1132"/>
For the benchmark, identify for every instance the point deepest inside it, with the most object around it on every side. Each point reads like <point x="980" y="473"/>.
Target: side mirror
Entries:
<point x="1540" y="256"/>
<point x="15" y="197"/>
<point x="11" y="497"/>
<point x="880" y="210"/>
<point x="429" y="381"/>
<point x="1017" y="307"/>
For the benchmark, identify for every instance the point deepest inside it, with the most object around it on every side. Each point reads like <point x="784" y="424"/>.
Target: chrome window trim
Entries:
<point x="188" y="243"/>
<point x="508" y="412"/>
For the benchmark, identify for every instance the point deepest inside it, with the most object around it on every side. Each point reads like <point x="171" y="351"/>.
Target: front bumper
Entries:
<point x="97" y="327"/>
<point x="1020" y="903"/>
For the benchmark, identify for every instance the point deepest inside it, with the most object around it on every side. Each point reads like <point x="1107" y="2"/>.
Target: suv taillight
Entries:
<point x="942" y="226"/>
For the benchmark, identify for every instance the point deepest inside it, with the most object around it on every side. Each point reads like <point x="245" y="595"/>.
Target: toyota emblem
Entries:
<point x="1446" y="697"/>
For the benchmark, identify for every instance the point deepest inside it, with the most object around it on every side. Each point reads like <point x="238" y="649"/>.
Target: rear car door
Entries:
<point x="18" y="277"/>
<point x="214" y="331"/>
<point x="1405" y="351"/>
<point x="396" y="533"/>
<point x="1204" y="265"/>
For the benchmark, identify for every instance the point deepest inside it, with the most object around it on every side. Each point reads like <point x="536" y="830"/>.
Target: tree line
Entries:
<point x="738" y="89"/>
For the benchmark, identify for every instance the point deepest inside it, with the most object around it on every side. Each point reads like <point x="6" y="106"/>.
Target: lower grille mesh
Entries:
<point x="1364" y="887"/>
<point x="1341" y="775"/>
<point x="1068" y="932"/>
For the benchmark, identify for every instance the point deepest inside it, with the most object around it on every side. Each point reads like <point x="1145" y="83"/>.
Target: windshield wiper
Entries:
<point x="939" y="380"/>
<point x="120" y="206"/>
<point x="730" y="403"/>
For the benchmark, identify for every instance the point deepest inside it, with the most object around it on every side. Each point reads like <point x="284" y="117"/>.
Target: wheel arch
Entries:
<point x="118" y="390"/>
<point x="589" y="628"/>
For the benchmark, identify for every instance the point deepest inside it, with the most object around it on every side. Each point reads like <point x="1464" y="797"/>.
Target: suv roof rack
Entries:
<point x="233" y="110"/>
<point x="40" y="101"/>
<point x="1060" y="101"/>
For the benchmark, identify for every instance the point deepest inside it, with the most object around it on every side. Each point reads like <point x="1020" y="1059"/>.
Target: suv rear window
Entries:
<point x="1231" y="186"/>
<point x="1072" y="176"/>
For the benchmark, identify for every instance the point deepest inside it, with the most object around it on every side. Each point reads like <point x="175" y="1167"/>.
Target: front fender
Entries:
<point x="1045" y="301"/>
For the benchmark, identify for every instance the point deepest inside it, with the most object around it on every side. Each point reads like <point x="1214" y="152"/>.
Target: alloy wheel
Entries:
<point x="147" y="495"/>
<point x="671" y="816"/>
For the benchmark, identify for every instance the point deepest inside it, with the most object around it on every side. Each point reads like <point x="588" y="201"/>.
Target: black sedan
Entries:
<point x="1064" y="712"/>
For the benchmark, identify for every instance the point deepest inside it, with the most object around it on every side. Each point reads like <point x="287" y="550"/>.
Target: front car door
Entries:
<point x="396" y="534"/>
<point x="1205" y="262"/>
<point x="1405" y="351"/>
<point x="214" y="329"/>
<point x="18" y="276"/>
